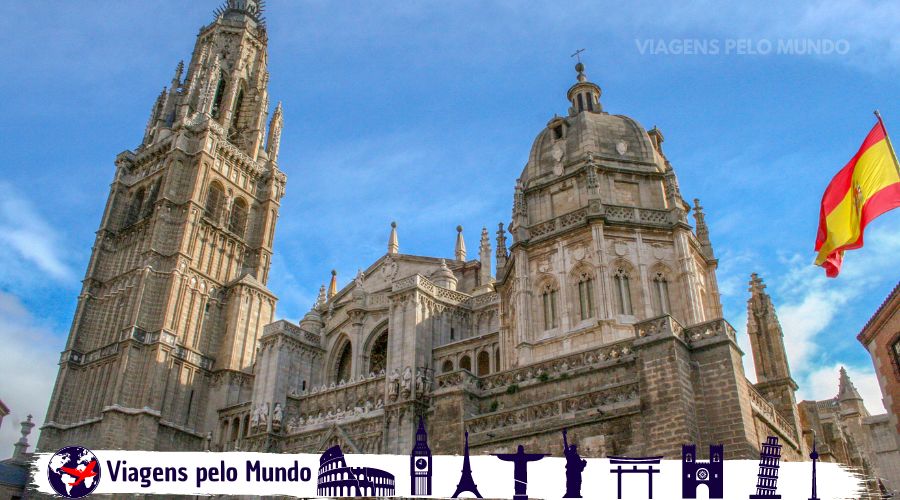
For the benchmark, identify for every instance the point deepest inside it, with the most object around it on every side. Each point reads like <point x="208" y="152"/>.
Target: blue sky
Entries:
<point x="424" y="113"/>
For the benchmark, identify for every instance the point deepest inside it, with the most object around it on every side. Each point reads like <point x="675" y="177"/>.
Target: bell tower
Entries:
<point x="174" y="296"/>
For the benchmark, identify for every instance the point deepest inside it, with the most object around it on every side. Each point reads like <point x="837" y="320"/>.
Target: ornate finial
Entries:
<point x="579" y="67"/>
<point x="176" y="80"/>
<point x="702" y="230"/>
<point x="460" y="252"/>
<point x="332" y="287"/>
<point x="322" y="298"/>
<point x="393" y="242"/>
<point x="501" y="248"/>
<point x="484" y="255"/>
<point x="21" y="445"/>
<point x="250" y="8"/>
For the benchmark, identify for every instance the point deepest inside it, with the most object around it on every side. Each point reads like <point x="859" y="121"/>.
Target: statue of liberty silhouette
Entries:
<point x="574" y="466"/>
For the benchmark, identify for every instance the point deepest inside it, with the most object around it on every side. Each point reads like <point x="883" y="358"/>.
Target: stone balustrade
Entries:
<point x="355" y="398"/>
<point x="767" y="411"/>
<point x="603" y="400"/>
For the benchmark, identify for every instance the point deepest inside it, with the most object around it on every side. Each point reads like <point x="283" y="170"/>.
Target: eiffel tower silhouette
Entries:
<point x="466" y="483"/>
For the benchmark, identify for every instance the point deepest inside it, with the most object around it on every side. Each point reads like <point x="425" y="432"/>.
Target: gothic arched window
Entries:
<point x="661" y="294"/>
<point x="623" y="292"/>
<point x="344" y="365"/>
<point x="484" y="363"/>
<point x="237" y="224"/>
<point x="219" y="96"/>
<point x="548" y="300"/>
<point x="447" y="366"/>
<point x="236" y="115"/>
<point x="215" y="201"/>
<point x="134" y="211"/>
<point x="465" y="363"/>
<point x="586" y="296"/>
<point x="378" y="355"/>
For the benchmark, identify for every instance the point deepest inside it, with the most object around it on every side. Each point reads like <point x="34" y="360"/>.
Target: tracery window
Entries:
<point x="134" y="211"/>
<point x="586" y="296"/>
<point x="238" y="221"/>
<point x="548" y="299"/>
<point x="623" y="292"/>
<point x="378" y="356"/>
<point x="661" y="294"/>
<point x="215" y="201"/>
<point x="219" y="96"/>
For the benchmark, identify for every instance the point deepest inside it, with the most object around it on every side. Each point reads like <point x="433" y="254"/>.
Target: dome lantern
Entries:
<point x="584" y="95"/>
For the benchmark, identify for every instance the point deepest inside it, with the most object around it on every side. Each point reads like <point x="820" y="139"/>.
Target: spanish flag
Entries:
<point x="868" y="186"/>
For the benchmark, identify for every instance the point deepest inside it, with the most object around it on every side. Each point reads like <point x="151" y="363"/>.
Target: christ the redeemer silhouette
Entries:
<point x="520" y="472"/>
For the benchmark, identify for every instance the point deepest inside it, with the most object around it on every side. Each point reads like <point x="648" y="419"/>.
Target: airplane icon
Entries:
<point x="81" y="475"/>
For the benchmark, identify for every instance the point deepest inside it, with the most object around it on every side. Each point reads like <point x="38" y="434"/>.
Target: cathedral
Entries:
<point x="594" y="309"/>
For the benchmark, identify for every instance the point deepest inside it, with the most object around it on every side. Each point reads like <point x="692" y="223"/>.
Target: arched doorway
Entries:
<point x="378" y="353"/>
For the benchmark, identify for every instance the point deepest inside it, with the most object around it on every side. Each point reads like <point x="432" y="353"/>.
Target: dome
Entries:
<point x="588" y="129"/>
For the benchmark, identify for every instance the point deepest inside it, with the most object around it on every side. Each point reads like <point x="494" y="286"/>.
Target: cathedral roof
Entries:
<point x="588" y="130"/>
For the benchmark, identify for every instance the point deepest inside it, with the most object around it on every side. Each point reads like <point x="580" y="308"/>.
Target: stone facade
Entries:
<point x="602" y="316"/>
<point x="845" y="432"/>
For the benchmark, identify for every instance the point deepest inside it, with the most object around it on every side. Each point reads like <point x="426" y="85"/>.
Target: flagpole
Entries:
<point x="887" y="138"/>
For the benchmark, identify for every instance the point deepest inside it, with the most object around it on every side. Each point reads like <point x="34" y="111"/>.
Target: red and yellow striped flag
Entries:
<point x="868" y="186"/>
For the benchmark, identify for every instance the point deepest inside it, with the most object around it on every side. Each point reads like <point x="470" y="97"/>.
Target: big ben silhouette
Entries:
<point x="420" y="463"/>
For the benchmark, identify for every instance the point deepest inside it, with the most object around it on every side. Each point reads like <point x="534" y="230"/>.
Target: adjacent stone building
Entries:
<point x="846" y="433"/>
<point x="596" y="309"/>
<point x="881" y="337"/>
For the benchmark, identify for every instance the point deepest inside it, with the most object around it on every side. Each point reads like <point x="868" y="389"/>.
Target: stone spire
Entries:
<point x="765" y="334"/>
<point x="393" y="243"/>
<point x="773" y="375"/>
<point x="702" y="230"/>
<point x="176" y="79"/>
<point x="332" y="287"/>
<point x="502" y="254"/>
<point x="276" y="124"/>
<point x="21" y="445"/>
<point x="484" y="255"/>
<point x="322" y="298"/>
<point x="846" y="390"/>
<point x="460" y="252"/>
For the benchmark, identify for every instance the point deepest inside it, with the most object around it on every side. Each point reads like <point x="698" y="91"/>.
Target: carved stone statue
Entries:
<point x="394" y="385"/>
<point x="407" y="386"/>
<point x="277" y="415"/>
<point x="421" y="382"/>
<point x="263" y="415"/>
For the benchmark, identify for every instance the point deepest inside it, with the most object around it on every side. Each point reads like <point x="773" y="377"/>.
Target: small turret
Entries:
<point x="21" y="446"/>
<point x="584" y="95"/>
<point x="444" y="277"/>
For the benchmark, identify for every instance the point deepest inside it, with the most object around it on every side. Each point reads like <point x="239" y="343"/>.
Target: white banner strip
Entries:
<point x="243" y="473"/>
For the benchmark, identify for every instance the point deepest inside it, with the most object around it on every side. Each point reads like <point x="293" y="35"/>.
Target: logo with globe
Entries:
<point x="74" y="472"/>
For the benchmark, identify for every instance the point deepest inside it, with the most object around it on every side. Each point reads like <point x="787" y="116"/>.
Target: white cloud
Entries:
<point x="822" y="383"/>
<point x="28" y="375"/>
<point x="808" y="305"/>
<point x="29" y="239"/>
